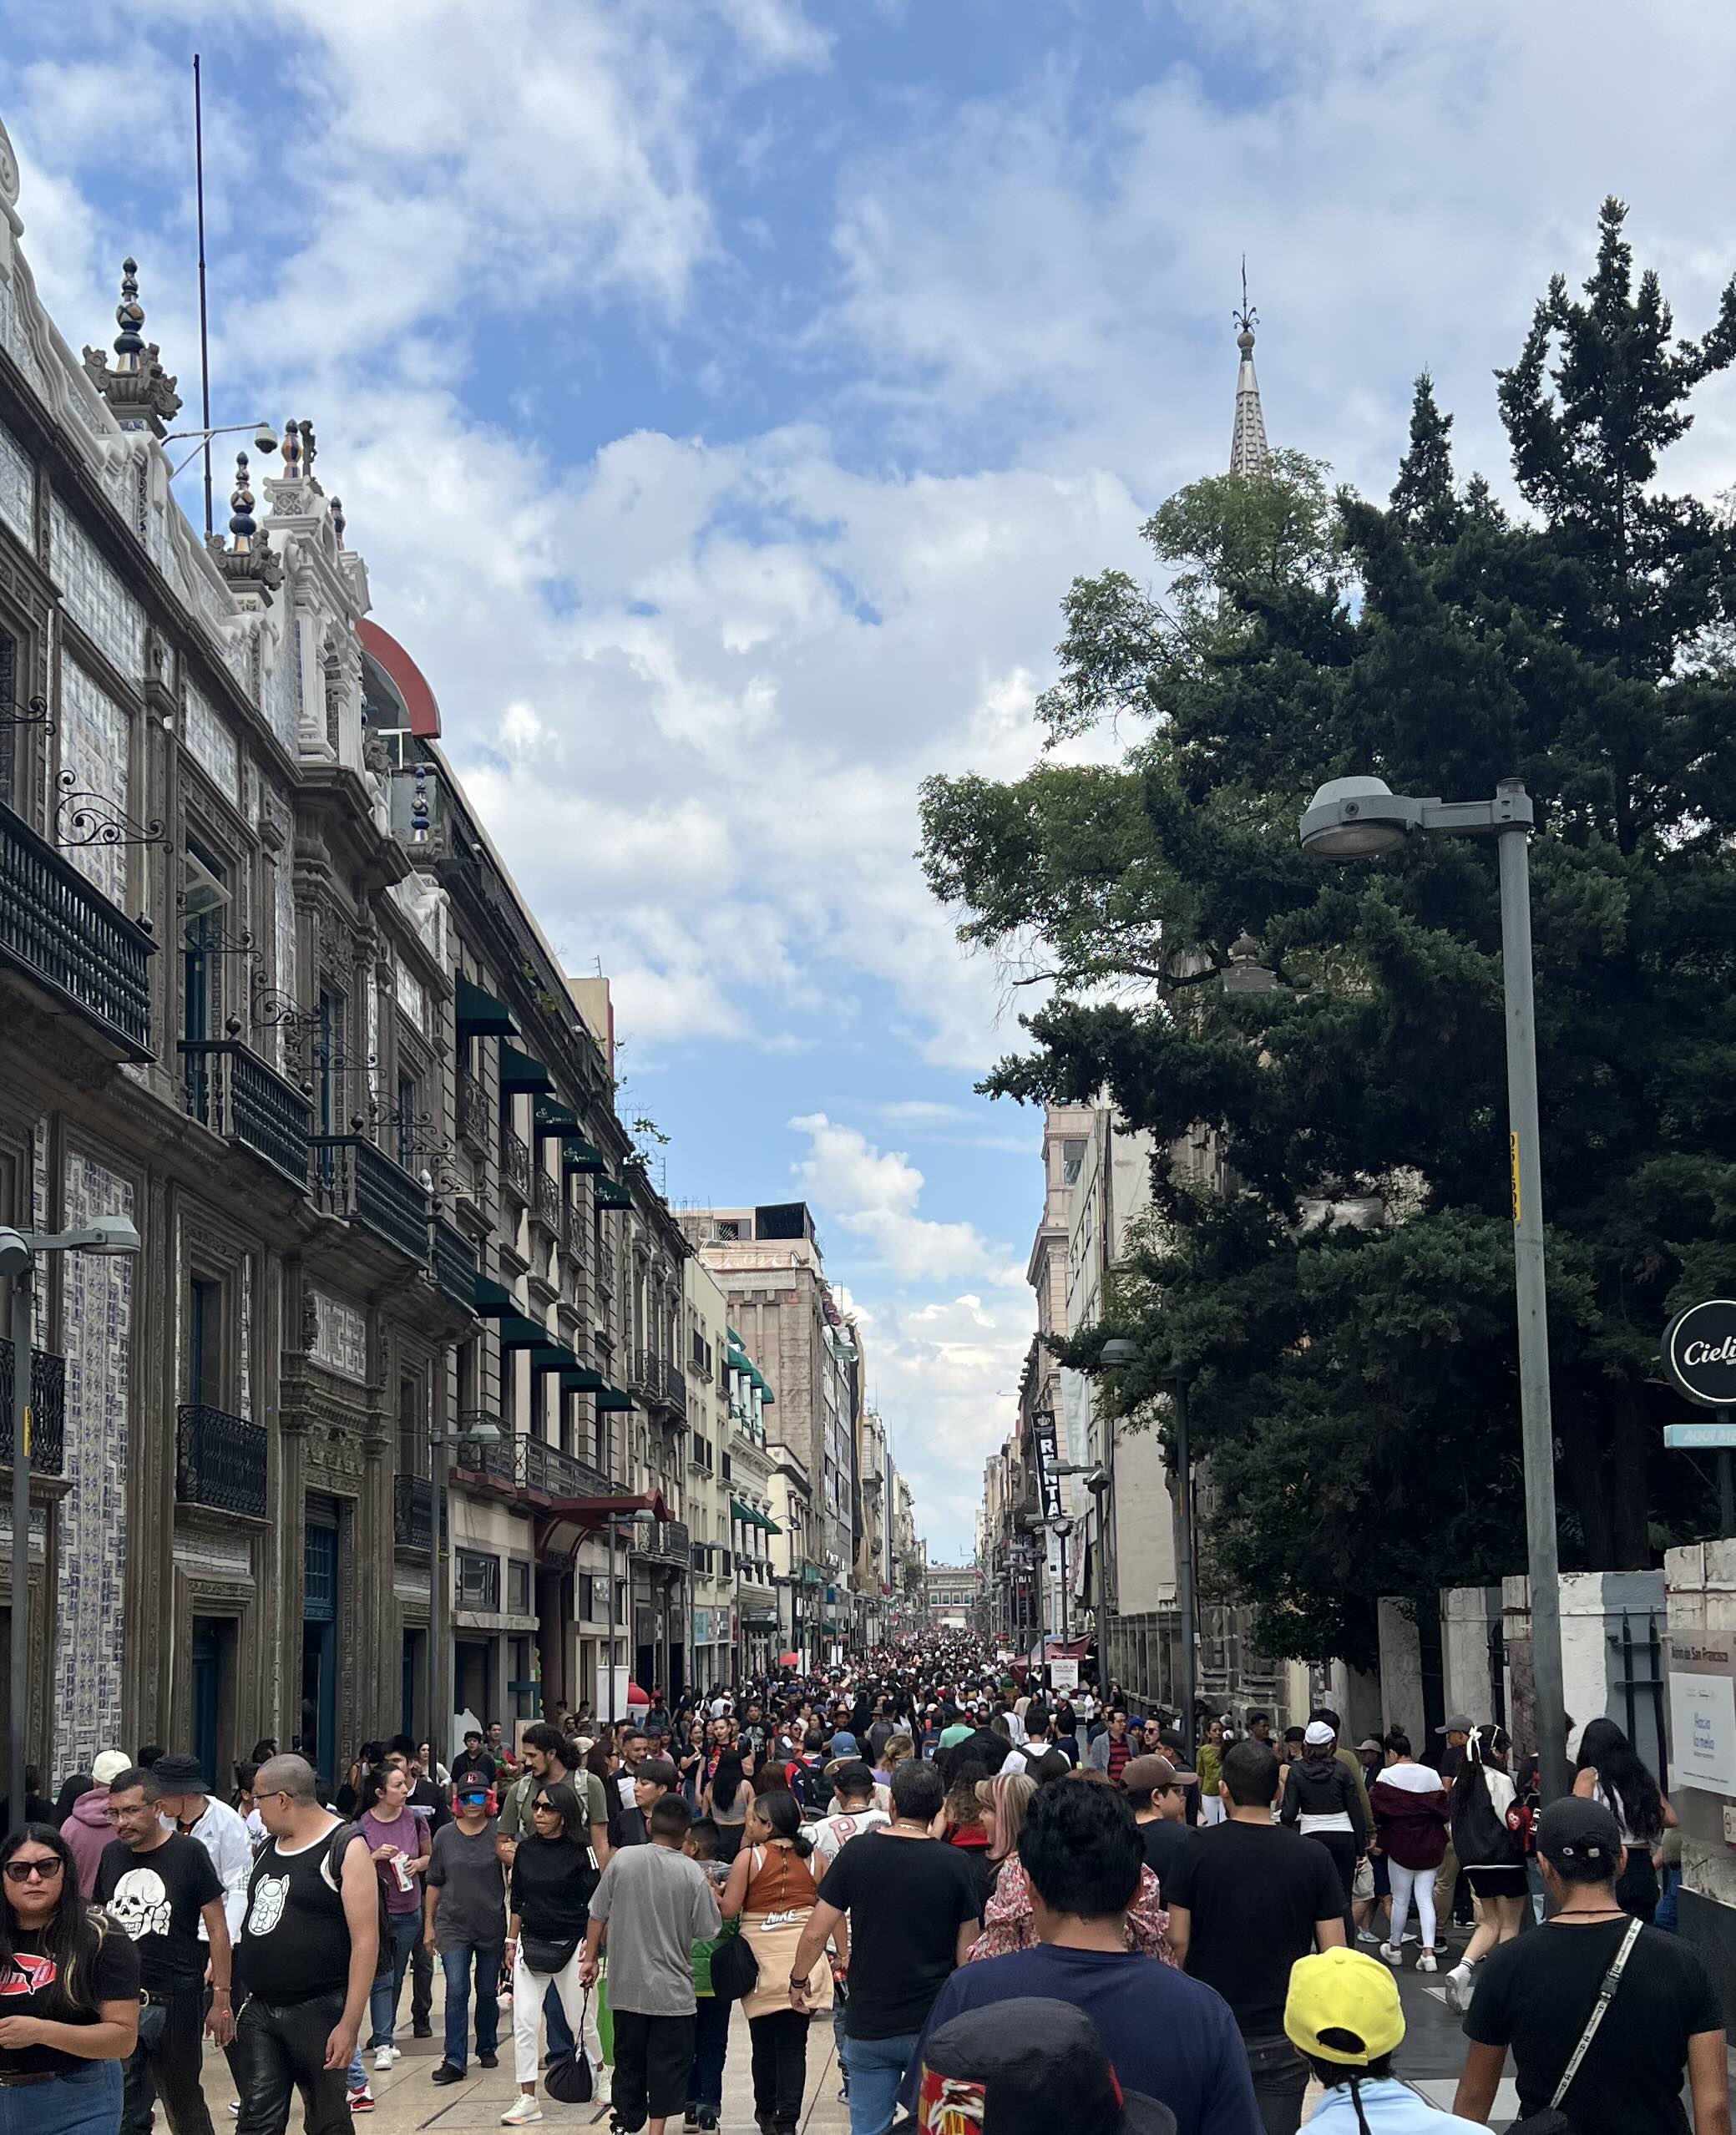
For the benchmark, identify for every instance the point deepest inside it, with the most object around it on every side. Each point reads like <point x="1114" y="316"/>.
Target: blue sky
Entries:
<point x="723" y="392"/>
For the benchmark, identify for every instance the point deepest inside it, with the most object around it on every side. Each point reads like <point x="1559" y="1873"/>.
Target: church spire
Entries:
<point x="1247" y="441"/>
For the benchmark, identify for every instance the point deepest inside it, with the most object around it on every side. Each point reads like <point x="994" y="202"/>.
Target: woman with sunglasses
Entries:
<point x="69" y="1987"/>
<point x="555" y="1874"/>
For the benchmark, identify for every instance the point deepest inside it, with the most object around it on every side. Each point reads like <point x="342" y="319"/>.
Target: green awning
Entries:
<point x="550" y="1116"/>
<point x="770" y="1526"/>
<point x="577" y="1155"/>
<point x="811" y="1576"/>
<point x="480" y="1013"/>
<point x="494" y="1300"/>
<point x="611" y="1194"/>
<point x="611" y="1401"/>
<point x="519" y="1072"/>
<point x="519" y="1333"/>
<point x="582" y="1380"/>
<point x="552" y="1356"/>
<point x="737" y="1511"/>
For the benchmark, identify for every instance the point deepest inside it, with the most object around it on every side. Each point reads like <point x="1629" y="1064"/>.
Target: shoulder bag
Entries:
<point x="1551" y="2120"/>
<point x="568" y="2080"/>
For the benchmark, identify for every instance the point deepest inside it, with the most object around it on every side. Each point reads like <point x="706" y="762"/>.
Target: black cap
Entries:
<point x="177" y="1774"/>
<point x="1580" y="1831"/>
<point x="999" y="2071"/>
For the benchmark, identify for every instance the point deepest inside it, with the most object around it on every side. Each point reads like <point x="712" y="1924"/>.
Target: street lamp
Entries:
<point x="636" y="1523"/>
<point x="1358" y="818"/>
<point x="480" y="1431"/>
<point x="108" y="1237"/>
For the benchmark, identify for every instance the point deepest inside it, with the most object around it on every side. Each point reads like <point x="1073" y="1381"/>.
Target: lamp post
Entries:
<point x="481" y="1432"/>
<point x="1357" y="818"/>
<point x="1116" y="1353"/>
<point x="110" y="1238"/>
<point x="634" y="1523"/>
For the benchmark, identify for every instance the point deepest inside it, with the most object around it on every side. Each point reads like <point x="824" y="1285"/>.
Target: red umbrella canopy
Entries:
<point x="636" y="1696"/>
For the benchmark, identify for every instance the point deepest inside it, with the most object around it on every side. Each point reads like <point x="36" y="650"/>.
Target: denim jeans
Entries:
<point x="1280" y="2080"/>
<point x="383" y="1996"/>
<point x="710" y="2050"/>
<point x="456" y="1964"/>
<point x="87" y="2101"/>
<point x="876" y="2067"/>
<point x="165" y="2065"/>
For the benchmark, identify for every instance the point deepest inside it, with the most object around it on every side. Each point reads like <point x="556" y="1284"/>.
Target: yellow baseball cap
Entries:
<point x="1353" y="1997"/>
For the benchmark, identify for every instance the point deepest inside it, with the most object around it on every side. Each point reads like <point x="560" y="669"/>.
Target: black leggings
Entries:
<point x="1342" y="1846"/>
<point x="780" y="2068"/>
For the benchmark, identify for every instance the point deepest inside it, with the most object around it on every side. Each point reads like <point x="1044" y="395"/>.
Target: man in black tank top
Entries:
<point x="305" y="1959"/>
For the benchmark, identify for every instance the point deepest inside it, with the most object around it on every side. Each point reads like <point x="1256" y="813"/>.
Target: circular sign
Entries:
<point x="1699" y="1348"/>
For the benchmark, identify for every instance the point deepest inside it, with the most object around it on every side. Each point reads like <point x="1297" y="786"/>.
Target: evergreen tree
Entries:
<point x="1356" y="1383"/>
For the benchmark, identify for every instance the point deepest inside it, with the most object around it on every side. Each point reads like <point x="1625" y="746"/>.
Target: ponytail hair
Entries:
<point x="778" y="1809"/>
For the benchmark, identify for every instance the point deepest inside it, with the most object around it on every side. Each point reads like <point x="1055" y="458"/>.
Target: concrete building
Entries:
<point x="752" y="1528"/>
<point x="953" y="1596"/>
<point x="266" y="988"/>
<point x="794" y="1574"/>
<point x="708" y="1486"/>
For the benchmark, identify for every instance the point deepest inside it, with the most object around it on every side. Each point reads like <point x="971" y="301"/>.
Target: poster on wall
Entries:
<point x="1702" y="1731"/>
<point x="1064" y="1675"/>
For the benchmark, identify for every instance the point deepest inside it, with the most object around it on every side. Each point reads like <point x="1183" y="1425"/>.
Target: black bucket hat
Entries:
<point x="1000" y="2070"/>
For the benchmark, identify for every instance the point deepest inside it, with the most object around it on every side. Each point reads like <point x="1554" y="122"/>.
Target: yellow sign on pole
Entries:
<point x="1513" y="1141"/>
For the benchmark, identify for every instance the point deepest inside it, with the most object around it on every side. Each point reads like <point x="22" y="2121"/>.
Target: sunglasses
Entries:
<point x="23" y="1871"/>
<point x="545" y="1809"/>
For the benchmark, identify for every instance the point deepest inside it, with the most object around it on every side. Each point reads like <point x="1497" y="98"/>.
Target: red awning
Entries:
<point x="405" y="677"/>
<point x="565" y="1524"/>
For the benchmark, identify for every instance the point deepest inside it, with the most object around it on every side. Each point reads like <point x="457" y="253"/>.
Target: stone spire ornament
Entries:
<point x="1248" y="450"/>
<point x="138" y="388"/>
<point x="338" y="521"/>
<point x="251" y="558"/>
<point x="291" y="450"/>
<point x="242" y="521"/>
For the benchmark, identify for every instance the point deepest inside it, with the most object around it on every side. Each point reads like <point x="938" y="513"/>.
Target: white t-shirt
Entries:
<point x="833" y="1832"/>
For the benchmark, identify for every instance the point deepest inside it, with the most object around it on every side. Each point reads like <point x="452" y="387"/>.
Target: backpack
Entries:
<point x="1481" y="1837"/>
<point x="336" y="1847"/>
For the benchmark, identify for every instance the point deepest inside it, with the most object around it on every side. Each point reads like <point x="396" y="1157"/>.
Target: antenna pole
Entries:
<point x="204" y="345"/>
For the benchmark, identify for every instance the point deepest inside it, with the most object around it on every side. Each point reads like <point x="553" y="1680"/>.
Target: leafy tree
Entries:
<point x="1356" y="1384"/>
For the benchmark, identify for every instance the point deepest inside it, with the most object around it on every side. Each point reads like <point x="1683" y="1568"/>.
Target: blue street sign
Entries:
<point x="1684" y="1435"/>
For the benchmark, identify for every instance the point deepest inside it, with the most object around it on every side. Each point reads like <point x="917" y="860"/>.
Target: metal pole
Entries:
<point x="205" y="350"/>
<point x="1537" y="1430"/>
<point x="20" y="1536"/>
<point x="1726" y="1486"/>
<point x="612" y="1616"/>
<point x="1066" y="1634"/>
<point x="437" y="1592"/>
<point x="1184" y="1565"/>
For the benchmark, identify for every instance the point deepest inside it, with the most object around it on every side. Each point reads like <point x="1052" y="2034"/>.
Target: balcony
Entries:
<point x="573" y="1234"/>
<point x="453" y="1263"/>
<point x="660" y="1382"/>
<point x="515" y="1163"/>
<point x="550" y="1205"/>
<point x="219" y="1462"/>
<point x="557" y="1475"/>
<point x="358" y="1181"/>
<point x="48" y="1410"/>
<point x="666" y="1542"/>
<point x="488" y="1461"/>
<point x="473" y="1115"/>
<point x="68" y="941"/>
<point x="413" y="1513"/>
<point x="231" y="1089"/>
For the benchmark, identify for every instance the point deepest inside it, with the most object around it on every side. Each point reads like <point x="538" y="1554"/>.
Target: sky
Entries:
<point x="723" y="393"/>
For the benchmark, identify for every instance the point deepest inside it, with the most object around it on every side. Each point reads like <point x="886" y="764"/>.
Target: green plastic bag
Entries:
<point x="606" y="2021"/>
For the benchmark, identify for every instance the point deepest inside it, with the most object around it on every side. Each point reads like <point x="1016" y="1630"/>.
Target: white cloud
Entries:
<point x="874" y="1193"/>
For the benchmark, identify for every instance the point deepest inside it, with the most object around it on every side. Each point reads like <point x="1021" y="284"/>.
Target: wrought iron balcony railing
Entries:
<point x="473" y="1110"/>
<point x="454" y="1263"/>
<point x="558" y="1473"/>
<point x="232" y="1091"/>
<point x="515" y="1162"/>
<point x="353" y="1179"/>
<point x="413" y="1512"/>
<point x="550" y="1203"/>
<point x="667" y="1542"/>
<point x="219" y="1460"/>
<point x="48" y="1410"/>
<point x="65" y="935"/>
<point x="490" y="1460"/>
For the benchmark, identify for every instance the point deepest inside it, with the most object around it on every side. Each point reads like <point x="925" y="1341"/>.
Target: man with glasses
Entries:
<point x="159" y="1889"/>
<point x="1157" y="1794"/>
<point x="310" y="1938"/>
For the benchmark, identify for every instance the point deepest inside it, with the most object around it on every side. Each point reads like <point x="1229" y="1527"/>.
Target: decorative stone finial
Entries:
<point x="251" y="559"/>
<point x="338" y="521"/>
<point x="242" y="521"/>
<point x="138" y="388"/>
<point x="1248" y="450"/>
<point x="291" y="452"/>
<point x="307" y="447"/>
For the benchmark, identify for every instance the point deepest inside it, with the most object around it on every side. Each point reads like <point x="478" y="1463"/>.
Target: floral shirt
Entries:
<point x="1008" y="1924"/>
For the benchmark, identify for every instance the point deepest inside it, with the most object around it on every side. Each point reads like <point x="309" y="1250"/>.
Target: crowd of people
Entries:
<point x="988" y="1887"/>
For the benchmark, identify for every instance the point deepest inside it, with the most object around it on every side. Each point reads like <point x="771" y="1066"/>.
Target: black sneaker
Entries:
<point x="421" y="2031"/>
<point x="446" y="2074"/>
<point x="708" y="2120"/>
<point x="691" y="2117"/>
<point x="488" y="2061"/>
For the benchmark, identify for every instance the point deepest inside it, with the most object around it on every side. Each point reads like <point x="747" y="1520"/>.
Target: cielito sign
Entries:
<point x="1699" y="1351"/>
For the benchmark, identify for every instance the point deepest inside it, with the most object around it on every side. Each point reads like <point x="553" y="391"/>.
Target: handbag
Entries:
<point x="1551" y="2120"/>
<point x="543" y="1955"/>
<point x="735" y="1969"/>
<point x="568" y="2080"/>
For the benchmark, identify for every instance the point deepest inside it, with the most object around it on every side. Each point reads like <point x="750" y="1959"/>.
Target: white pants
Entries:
<point x="1211" y="1808"/>
<point x="1405" y="1881"/>
<point x="530" y="1990"/>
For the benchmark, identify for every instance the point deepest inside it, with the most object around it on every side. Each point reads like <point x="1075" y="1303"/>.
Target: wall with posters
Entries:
<point x="1700" y="1584"/>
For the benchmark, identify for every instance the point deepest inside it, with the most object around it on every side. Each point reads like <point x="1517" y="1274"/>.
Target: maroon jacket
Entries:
<point x="1410" y="1825"/>
<point x="87" y="1830"/>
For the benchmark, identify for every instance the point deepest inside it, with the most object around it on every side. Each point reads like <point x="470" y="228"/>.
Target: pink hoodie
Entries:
<point x="86" y="1831"/>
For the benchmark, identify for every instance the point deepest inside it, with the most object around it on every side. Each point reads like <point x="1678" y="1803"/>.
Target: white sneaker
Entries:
<point x="1458" y="1988"/>
<point x="1425" y="1962"/>
<point x="1366" y="1934"/>
<point x="521" y="2112"/>
<point x="1391" y="1956"/>
<point x="383" y="2058"/>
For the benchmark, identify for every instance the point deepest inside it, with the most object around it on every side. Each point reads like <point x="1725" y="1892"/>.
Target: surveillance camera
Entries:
<point x="264" y="439"/>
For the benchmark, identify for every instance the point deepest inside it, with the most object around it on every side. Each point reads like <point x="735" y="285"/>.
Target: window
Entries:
<point x="478" y="1579"/>
<point x="8" y="703"/>
<point x="406" y="1111"/>
<point x="411" y="1439"/>
<point x="517" y="1587"/>
<point x="1072" y="1161"/>
<point x="204" y="1341"/>
<point x="204" y="896"/>
<point x="587" y="1597"/>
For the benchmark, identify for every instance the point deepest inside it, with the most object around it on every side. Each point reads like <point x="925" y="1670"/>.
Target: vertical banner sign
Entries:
<point x="1049" y="1489"/>
<point x="1513" y="1157"/>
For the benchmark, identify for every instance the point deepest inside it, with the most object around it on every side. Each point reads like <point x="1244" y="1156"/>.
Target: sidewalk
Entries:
<point x="407" y="2099"/>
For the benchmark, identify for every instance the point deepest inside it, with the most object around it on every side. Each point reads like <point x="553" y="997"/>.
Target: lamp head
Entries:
<point x="1117" y="1353"/>
<point x="1355" y="818"/>
<point x="482" y="1434"/>
<point x="14" y="1253"/>
<point x="111" y="1237"/>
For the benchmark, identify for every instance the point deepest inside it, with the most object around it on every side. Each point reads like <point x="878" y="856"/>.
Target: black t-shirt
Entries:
<point x="907" y="1899"/>
<point x="1162" y="1842"/>
<point x="1534" y="1994"/>
<point x="32" y="1988"/>
<point x="294" y="1940"/>
<point x="1254" y="1892"/>
<point x="156" y="1899"/>
<point x="553" y="1880"/>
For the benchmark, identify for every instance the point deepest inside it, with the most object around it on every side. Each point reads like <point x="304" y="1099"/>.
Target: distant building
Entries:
<point x="952" y="1593"/>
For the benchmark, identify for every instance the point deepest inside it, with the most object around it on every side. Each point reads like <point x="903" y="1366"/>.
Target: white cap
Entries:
<point x="106" y="1768"/>
<point x="1316" y="1734"/>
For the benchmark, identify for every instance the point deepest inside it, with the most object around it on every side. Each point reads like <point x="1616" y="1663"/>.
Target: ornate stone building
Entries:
<point x="265" y="988"/>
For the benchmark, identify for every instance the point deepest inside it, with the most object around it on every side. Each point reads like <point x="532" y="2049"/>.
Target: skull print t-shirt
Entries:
<point x="156" y="1899"/>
